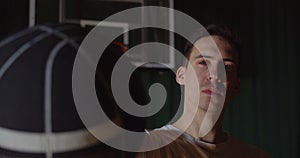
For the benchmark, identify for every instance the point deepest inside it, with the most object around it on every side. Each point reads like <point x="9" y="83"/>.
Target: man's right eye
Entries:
<point x="202" y="62"/>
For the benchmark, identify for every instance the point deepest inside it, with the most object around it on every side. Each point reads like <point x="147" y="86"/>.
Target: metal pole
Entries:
<point x="171" y="35"/>
<point x="61" y="15"/>
<point x="32" y="6"/>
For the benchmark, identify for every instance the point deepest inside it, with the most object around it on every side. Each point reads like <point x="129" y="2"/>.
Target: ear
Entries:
<point x="237" y="87"/>
<point x="180" y="75"/>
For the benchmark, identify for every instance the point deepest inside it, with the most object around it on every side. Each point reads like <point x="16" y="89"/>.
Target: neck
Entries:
<point x="216" y="134"/>
<point x="213" y="134"/>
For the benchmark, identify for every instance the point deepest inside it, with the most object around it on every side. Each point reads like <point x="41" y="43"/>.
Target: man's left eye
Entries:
<point x="228" y="67"/>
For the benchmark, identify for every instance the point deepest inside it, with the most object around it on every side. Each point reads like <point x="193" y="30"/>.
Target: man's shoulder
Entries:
<point x="248" y="150"/>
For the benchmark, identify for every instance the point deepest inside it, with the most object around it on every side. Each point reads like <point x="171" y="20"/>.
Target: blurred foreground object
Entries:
<point x="38" y="117"/>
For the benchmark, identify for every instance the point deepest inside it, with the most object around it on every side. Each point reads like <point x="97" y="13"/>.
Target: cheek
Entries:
<point x="231" y="75"/>
<point x="231" y="78"/>
<point x="198" y="74"/>
<point x="202" y="76"/>
<point x="231" y="84"/>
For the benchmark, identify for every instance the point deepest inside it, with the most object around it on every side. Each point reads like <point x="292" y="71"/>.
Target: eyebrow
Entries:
<point x="201" y="56"/>
<point x="210" y="57"/>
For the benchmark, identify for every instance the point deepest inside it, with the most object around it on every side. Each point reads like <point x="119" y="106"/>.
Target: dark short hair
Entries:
<point x="221" y="30"/>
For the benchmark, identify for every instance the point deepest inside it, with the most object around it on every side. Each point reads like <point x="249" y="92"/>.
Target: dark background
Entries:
<point x="266" y="112"/>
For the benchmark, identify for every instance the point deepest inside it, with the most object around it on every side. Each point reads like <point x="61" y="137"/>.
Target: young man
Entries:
<point x="212" y="74"/>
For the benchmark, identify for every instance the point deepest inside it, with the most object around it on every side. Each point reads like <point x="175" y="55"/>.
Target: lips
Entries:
<point x="210" y="91"/>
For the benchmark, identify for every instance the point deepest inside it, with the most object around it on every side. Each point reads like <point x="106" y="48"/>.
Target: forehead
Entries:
<point x="214" y="46"/>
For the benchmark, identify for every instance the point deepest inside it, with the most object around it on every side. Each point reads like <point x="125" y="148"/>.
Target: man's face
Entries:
<point x="217" y="75"/>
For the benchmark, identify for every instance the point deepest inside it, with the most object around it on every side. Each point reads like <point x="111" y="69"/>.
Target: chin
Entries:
<point x="210" y="107"/>
<point x="203" y="107"/>
<point x="215" y="102"/>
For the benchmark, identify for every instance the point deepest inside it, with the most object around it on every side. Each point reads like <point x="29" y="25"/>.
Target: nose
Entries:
<point x="217" y="73"/>
<point x="214" y="78"/>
